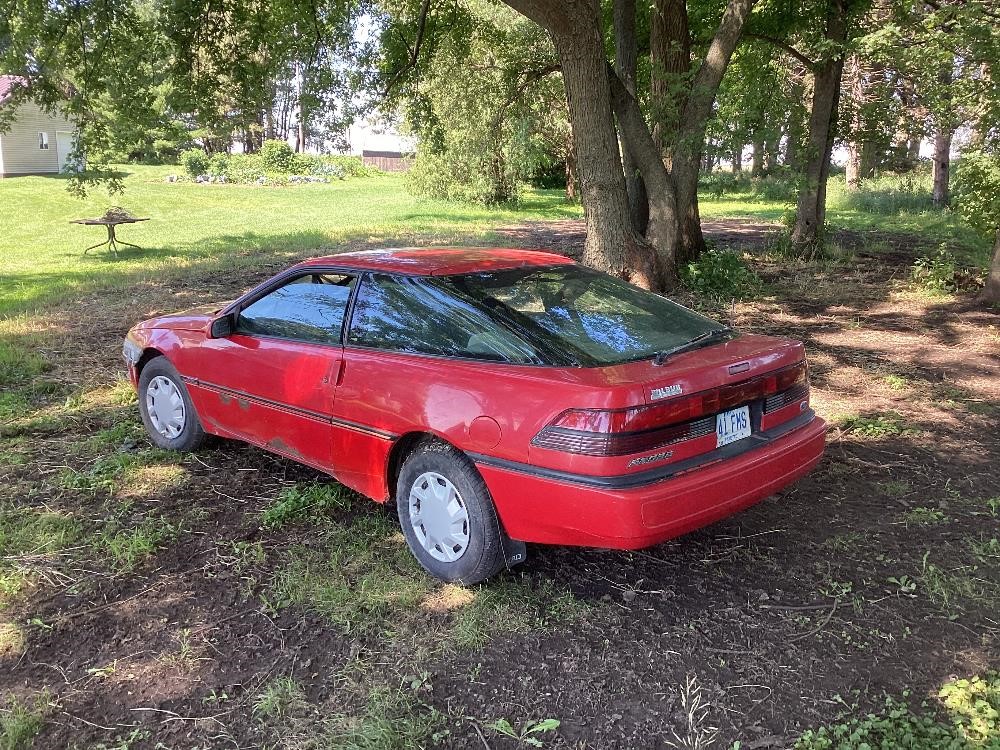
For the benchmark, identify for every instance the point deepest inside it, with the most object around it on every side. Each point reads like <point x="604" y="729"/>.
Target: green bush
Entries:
<point x="938" y="272"/>
<point x="194" y="161"/>
<point x="218" y="165"/>
<point x="721" y="275"/>
<point x="276" y="156"/>
<point x="244" y="168"/>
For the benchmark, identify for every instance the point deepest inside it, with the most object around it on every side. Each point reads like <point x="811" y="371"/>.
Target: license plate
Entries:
<point x="731" y="426"/>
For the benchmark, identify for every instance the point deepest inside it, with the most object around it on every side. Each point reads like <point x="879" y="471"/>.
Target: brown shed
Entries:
<point x="387" y="161"/>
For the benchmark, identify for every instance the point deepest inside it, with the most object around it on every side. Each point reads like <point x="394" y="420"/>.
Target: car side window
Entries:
<point x="415" y="315"/>
<point x="308" y="308"/>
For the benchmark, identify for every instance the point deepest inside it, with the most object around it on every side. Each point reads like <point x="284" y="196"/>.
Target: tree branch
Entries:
<point x="414" y="51"/>
<point x="785" y="47"/>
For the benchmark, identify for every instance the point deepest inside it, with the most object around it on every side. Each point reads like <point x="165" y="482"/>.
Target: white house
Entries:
<point x="37" y="142"/>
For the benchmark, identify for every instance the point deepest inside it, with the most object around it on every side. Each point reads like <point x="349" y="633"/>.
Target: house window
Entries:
<point x="43" y="141"/>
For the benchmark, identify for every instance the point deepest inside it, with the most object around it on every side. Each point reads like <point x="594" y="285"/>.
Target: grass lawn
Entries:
<point x="196" y="224"/>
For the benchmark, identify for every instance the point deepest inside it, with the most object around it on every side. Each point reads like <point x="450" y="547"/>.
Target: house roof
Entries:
<point x="439" y="261"/>
<point x="7" y="84"/>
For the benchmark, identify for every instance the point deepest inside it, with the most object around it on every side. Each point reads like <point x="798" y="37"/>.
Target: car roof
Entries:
<point x="438" y="261"/>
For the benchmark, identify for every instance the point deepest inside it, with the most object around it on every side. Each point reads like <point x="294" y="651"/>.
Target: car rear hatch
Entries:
<point x="707" y="403"/>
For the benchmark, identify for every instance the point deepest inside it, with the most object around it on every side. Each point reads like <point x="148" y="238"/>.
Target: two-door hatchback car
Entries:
<point x="497" y="396"/>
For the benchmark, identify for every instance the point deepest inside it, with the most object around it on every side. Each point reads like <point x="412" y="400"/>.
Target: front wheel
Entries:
<point x="167" y="412"/>
<point x="447" y="515"/>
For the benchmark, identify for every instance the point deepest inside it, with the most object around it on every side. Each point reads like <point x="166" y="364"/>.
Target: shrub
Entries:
<point x="276" y="156"/>
<point x="721" y="275"/>
<point x="938" y="272"/>
<point x="194" y="161"/>
<point x="887" y="195"/>
<point x="244" y="168"/>
<point x="218" y="165"/>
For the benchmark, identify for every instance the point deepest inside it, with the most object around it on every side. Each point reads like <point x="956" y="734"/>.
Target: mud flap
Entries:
<point x="515" y="551"/>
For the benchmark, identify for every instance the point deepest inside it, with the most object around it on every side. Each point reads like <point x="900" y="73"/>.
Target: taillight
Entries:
<point x="618" y="432"/>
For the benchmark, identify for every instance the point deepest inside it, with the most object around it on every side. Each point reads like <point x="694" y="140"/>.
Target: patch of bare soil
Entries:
<point x="870" y="576"/>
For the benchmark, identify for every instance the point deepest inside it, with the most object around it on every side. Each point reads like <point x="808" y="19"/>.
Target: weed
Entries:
<point x="302" y="500"/>
<point x="971" y="707"/>
<point x="987" y="551"/>
<point x="697" y="733"/>
<point x="895" y="487"/>
<point x="20" y="722"/>
<point x="126" y="743"/>
<point x="845" y="543"/>
<point x="922" y="516"/>
<point x="896" y="382"/>
<point x="940" y="273"/>
<point x="281" y="697"/>
<point x="127" y="547"/>
<point x="950" y="588"/>
<point x="722" y="276"/>
<point x="526" y="735"/>
<point x="876" y="426"/>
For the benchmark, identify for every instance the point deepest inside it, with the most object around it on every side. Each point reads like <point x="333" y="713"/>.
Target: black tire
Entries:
<point x="191" y="434"/>
<point x="482" y="557"/>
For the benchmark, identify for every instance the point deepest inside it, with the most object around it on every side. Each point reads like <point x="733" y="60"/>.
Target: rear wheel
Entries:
<point x="167" y="412"/>
<point x="447" y="515"/>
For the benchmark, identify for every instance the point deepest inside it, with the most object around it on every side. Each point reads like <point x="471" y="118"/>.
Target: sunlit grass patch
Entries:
<point x="365" y="580"/>
<point x="11" y="639"/>
<point x="112" y="473"/>
<point x="306" y="501"/>
<point x="127" y="546"/>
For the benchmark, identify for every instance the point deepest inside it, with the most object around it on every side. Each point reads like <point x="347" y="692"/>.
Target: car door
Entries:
<point x="275" y="376"/>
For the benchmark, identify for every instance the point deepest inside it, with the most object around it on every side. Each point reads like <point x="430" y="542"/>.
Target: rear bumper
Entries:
<point x="542" y="508"/>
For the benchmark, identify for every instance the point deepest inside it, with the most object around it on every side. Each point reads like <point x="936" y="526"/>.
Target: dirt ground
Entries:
<point x="874" y="575"/>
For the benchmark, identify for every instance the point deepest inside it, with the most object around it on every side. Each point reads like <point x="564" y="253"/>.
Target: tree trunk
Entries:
<point x="685" y="151"/>
<point x="811" y="214"/>
<point x="626" y="55"/>
<point x="941" y="194"/>
<point x="991" y="293"/>
<point x="670" y="64"/>
<point x="663" y="227"/>
<point x="612" y="245"/>
<point x="571" y="176"/>
<point x="853" y="171"/>
<point x="737" y="159"/>
<point x="757" y="170"/>
<point x="771" y="147"/>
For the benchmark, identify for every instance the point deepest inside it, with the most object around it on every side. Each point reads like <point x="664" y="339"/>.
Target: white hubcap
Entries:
<point x="165" y="406"/>
<point x="439" y="517"/>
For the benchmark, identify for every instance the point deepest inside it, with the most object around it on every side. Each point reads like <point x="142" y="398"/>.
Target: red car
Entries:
<point x="496" y="396"/>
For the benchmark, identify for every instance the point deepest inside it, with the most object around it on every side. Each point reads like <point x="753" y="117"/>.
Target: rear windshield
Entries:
<point x="585" y="316"/>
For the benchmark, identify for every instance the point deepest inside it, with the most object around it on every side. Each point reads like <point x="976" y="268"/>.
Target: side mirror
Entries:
<point x="223" y="326"/>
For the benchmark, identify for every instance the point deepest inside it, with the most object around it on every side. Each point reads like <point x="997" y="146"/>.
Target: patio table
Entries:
<point x="112" y="241"/>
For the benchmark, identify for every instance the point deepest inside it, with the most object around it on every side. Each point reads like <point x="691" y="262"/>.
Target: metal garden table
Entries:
<point x="112" y="241"/>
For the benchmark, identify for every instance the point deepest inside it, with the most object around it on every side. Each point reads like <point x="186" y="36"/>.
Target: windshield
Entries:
<point x="587" y="316"/>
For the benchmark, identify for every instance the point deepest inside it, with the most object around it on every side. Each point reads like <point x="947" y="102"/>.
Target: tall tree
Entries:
<point x="612" y="242"/>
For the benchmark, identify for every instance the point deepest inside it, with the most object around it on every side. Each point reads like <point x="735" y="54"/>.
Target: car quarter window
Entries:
<point x="308" y="308"/>
<point x="417" y="315"/>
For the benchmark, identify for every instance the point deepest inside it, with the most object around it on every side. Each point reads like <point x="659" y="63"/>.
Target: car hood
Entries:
<point x="193" y="319"/>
